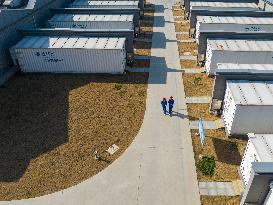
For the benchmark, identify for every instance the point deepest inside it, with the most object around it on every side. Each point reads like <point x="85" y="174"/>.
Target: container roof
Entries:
<point x="70" y="42"/>
<point x="240" y="45"/>
<point x="234" y="20"/>
<point x="78" y="17"/>
<point x="258" y="68"/>
<point x="222" y="4"/>
<point x="247" y="92"/>
<point x="263" y="144"/>
<point x="100" y="3"/>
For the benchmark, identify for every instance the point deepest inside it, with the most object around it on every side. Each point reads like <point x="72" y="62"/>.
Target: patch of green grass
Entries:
<point x="207" y="165"/>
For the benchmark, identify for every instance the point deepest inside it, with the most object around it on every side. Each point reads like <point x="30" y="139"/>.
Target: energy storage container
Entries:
<point x="70" y="55"/>
<point x="91" y="21"/>
<point x="259" y="148"/>
<point x="237" y="51"/>
<point x="233" y="24"/>
<point x="103" y="4"/>
<point x="230" y="71"/>
<point x="248" y="107"/>
<point x="221" y="6"/>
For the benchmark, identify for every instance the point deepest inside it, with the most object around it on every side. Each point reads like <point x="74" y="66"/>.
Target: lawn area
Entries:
<point x="142" y="48"/>
<point x="51" y="124"/>
<point x="195" y="109"/>
<point x="177" y="11"/>
<point x="141" y="63"/>
<point x="220" y="200"/>
<point x="182" y="26"/>
<point x="189" y="64"/>
<point x="197" y="84"/>
<point x="187" y="48"/>
<point x="227" y="153"/>
<point x="183" y="37"/>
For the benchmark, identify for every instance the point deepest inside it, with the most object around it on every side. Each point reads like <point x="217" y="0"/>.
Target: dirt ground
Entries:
<point x="178" y="12"/>
<point x="187" y="48"/>
<point x="141" y="63"/>
<point x="51" y="125"/>
<point x="189" y="64"/>
<point x="220" y="200"/>
<point x="195" y="109"/>
<point x="182" y="26"/>
<point x="197" y="84"/>
<point x="183" y="37"/>
<point x="142" y="48"/>
<point x="227" y="152"/>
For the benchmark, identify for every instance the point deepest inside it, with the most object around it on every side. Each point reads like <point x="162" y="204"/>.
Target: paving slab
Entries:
<point x="204" y="99"/>
<point x="192" y="71"/>
<point x="188" y="57"/>
<point x="187" y="41"/>
<point x="183" y="32"/>
<point x="217" y="189"/>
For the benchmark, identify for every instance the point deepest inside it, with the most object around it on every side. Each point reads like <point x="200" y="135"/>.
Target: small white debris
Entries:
<point x="112" y="149"/>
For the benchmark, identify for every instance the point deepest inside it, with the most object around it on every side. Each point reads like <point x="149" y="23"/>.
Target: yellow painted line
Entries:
<point x="240" y="185"/>
<point x="235" y="187"/>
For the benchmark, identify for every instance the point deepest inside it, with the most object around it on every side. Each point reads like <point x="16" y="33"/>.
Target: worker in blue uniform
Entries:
<point x="164" y="105"/>
<point x="171" y="103"/>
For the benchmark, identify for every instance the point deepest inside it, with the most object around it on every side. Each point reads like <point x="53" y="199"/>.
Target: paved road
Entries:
<point x="158" y="168"/>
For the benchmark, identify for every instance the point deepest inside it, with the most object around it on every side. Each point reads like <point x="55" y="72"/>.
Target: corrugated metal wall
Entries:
<point x="11" y="20"/>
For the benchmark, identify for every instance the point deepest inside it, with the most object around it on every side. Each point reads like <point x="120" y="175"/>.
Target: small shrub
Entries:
<point x="207" y="165"/>
<point x="197" y="81"/>
<point x="118" y="86"/>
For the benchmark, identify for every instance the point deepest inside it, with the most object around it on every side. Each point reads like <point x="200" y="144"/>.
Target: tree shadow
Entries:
<point x="227" y="151"/>
<point x="34" y="110"/>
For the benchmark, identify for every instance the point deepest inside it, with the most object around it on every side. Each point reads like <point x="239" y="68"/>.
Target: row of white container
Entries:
<point x="248" y="107"/>
<point x="103" y="4"/>
<point x="259" y="149"/>
<point x="233" y="24"/>
<point x="220" y="6"/>
<point x="237" y="51"/>
<point x="70" y="55"/>
<point x="79" y="21"/>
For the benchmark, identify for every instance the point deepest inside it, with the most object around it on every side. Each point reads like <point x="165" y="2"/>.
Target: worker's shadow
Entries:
<point x="180" y="115"/>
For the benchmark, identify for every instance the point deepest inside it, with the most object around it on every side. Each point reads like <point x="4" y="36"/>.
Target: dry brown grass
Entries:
<point x="188" y="64"/>
<point x="50" y="124"/>
<point x="178" y="12"/>
<point x="148" y="13"/>
<point x="197" y="84"/>
<point x="187" y="48"/>
<point x="194" y="111"/>
<point x="146" y="29"/>
<point x="183" y="37"/>
<point x="181" y="26"/>
<point x="141" y="63"/>
<point x="142" y="48"/>
<point x="146" y="24"/>
<point x="227" y="152"/>
<point x="176" y="6"/>
<point x="220" y="200"/>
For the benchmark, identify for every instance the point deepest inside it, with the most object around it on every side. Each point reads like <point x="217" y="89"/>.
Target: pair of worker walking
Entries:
<point x="164" y="104"/>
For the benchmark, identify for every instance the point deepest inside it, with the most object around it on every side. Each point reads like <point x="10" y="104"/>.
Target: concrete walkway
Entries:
<point x="233" y="188"/>
<point x="158" y="168"/>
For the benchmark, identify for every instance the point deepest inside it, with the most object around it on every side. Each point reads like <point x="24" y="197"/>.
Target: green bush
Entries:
<point x="118" y="86"/>
<point x="207" y="165"/>
<point x="197" y="81"/>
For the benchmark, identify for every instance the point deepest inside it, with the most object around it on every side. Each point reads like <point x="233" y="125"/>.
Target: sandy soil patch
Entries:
<point x="50" y="125"/>
<point x="197" y="84"/>
<point x="227" y="152"/>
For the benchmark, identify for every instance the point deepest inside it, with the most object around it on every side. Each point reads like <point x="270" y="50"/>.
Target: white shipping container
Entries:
<point x="223" y="6"/>
<point x="103" y="4"/>
<point x="91" y="21"/>
<point x="233" y="24"/>
<point x="237" y="51"/>
<point x="259" y="149"/>
<point x="70" y="55"/>
<point x="257" y="68"/>
<point x="248" y="107"/>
